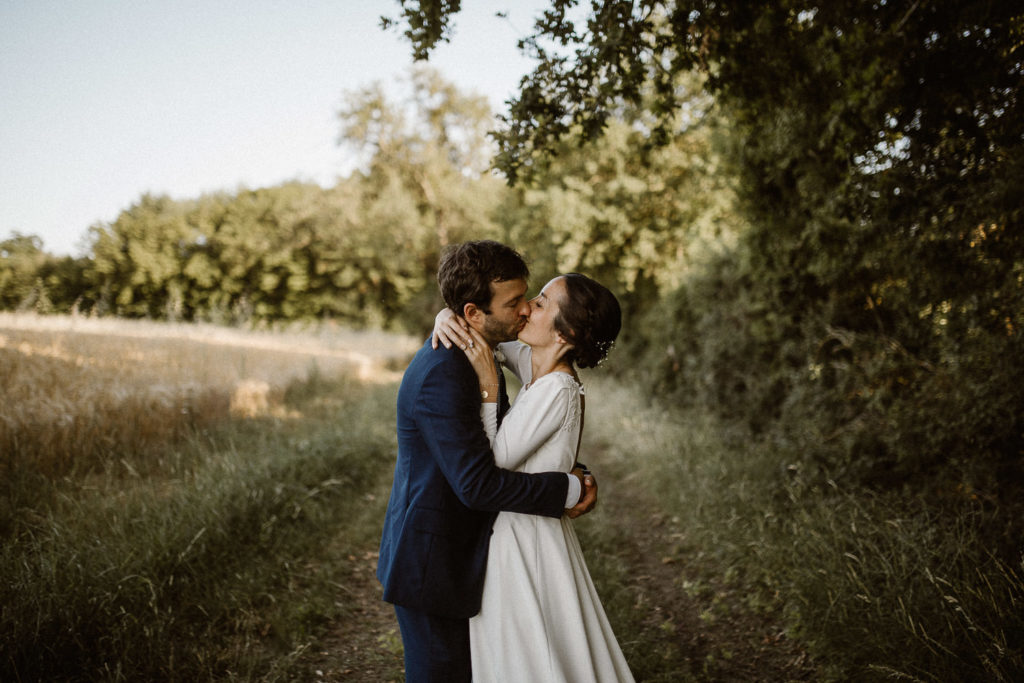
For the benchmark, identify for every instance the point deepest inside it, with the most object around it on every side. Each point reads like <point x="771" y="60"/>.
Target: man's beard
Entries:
<point x="495" y="332"/>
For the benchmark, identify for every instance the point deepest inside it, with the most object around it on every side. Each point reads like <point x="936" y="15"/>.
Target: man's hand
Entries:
<point x="588" y="499"/>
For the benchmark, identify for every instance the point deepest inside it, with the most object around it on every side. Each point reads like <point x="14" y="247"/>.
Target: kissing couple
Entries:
<point x="478" y="554"/>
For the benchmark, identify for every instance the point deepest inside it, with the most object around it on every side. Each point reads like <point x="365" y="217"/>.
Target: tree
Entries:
<point x="431" y="143"/>
<point x="21" y="256"/>
<point x="425" y="184"/>
<point x="878" y="147"/>
<point x="137" y="259"/>
<point x="639" y="219"/>
<point x="32" y="279"/>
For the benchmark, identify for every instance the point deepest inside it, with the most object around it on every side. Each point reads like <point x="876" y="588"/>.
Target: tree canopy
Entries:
<point x="876" y="292"/>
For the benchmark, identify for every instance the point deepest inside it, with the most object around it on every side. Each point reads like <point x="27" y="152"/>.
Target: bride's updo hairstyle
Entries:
<point x="589" y="318"/>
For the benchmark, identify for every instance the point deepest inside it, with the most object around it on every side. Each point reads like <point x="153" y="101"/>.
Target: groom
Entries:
<point x="447" y="489"/>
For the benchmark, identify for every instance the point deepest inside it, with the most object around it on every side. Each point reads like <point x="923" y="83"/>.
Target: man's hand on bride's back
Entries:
<point x="450" y="329"/>
<point x="588" y="499"/>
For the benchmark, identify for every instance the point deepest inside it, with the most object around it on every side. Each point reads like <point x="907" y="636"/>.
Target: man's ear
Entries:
<point x="472" y="313"/>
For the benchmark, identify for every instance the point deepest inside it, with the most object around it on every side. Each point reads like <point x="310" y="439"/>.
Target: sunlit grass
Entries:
<point x="86" y="394"/>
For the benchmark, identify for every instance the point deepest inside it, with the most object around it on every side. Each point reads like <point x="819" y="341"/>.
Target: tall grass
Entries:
<point x="155" y="539"/>
<point x="142" y="551"/>
<point x="877" y="587"/>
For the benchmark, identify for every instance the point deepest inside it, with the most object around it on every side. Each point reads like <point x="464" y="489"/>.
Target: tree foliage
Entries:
<point x="364" y="251"/>
<point x="878" y="292"/>
<point x="640" y="219"/>
<point x="290" y="252"/>
<point x="34" y="280"/>
<point x="21" y="257"/>
<point x="425" y="183"/>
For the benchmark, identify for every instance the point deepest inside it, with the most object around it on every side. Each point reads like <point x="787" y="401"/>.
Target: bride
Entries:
<point x="541" y="618"/>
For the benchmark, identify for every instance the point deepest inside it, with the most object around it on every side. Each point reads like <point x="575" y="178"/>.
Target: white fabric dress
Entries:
<point x="541" y="619"/>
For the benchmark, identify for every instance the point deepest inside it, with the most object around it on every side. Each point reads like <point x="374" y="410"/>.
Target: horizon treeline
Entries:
<point x="364" y="252"/>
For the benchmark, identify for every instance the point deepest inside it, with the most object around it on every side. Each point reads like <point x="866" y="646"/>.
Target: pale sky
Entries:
<point x="103" y="101"/>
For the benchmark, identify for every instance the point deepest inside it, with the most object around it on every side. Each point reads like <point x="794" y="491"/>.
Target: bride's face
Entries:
<point x="540" y="328"/>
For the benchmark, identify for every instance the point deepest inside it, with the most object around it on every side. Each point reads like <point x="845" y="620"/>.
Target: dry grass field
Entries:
<point x="79" y="393"/>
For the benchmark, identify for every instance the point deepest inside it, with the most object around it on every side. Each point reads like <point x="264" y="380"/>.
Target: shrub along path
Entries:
<point x="675" y="617"/>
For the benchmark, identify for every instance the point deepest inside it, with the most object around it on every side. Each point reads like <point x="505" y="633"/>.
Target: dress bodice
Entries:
<point x="541" y="431"/>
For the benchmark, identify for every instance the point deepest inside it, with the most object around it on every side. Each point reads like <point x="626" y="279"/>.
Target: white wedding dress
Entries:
<point x="541" y="619"/>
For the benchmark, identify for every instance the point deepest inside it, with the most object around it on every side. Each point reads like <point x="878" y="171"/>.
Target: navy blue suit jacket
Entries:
<point x="447" y="490"/>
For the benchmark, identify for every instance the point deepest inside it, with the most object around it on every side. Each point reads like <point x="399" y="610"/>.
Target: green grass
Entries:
<point x="222" y="555"/>
<point x="216" y="567"/>
<point x="876" y="587"/>
<point x="894" y="589"/>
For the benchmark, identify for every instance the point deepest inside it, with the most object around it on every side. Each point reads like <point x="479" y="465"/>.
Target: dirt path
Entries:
<point x="687" y="625"/>
<point x="365" y="645"/>
<point x="693" y="625"/>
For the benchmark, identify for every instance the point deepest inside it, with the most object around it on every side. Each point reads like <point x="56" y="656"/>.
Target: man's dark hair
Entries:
<point x="467" y="270"/>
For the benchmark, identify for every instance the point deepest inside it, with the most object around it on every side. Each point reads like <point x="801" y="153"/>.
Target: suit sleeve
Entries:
<point x="447" y="414"/>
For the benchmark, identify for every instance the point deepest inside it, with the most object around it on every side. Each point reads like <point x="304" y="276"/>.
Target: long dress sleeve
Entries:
<point x="489" y="416"/>
<point x="512" y="453"/>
